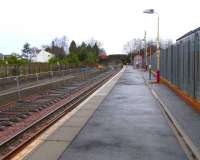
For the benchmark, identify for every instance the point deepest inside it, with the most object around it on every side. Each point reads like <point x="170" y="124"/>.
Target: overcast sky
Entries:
<point x="113" y="22"/>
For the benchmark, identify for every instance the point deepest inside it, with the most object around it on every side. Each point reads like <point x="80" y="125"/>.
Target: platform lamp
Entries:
<point x="151" y="11"/>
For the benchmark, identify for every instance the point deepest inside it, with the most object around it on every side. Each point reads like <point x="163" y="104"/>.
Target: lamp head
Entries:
<point x="148" y="11"/>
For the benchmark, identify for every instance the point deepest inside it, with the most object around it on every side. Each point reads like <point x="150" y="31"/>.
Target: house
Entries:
<point x="1" y="55"/>
<point x="43" y="56"/>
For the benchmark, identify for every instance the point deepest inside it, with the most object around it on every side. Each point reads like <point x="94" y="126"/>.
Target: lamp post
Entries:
<point x="145" y="50"/>
<point x="151" y="11"/>
<point x="131" y="57"/>
<point x="130" y="50"/>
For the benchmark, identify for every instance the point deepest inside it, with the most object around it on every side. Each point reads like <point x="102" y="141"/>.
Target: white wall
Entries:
<point x="43" y="56"/>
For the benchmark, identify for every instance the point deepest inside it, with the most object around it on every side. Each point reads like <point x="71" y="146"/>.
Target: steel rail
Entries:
<point x="47" y="120"/>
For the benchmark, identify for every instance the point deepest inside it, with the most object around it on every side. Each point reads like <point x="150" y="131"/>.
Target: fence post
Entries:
<point x="63" y="73"/>
<point x="69" y="68"/>
<point x="37" y="76"/>
<point x="52" y="74"/>
<point x="18" y="88"/>
<point x="6" y="69"/>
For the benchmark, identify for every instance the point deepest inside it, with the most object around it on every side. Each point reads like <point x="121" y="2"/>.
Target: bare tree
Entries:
<point x="164" y="43"/>
<point x="93" y="42"/>
<point x="133" y="45"/>
<point x="59" y="47"/>
<point x="62" y="43"/>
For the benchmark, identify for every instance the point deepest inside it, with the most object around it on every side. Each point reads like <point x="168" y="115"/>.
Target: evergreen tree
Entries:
<point x="72" y="47"/>
<point x="26" y="52"/>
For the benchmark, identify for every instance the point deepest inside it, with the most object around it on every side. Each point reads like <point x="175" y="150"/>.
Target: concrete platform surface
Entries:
<point x="185" y="115"/>
<point x="128" y="125"/>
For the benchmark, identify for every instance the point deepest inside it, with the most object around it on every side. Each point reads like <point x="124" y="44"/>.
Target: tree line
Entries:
<point x="85" y="53"/>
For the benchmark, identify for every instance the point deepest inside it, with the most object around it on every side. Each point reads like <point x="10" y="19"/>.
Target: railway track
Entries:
<point x="28" y="118"/>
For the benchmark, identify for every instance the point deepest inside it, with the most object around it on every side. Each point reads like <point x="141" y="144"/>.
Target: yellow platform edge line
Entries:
<point x="194" y="103"/>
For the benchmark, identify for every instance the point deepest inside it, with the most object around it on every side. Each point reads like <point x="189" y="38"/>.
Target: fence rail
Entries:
<point x="14" y="70"/>
<point x="21" y="81"/>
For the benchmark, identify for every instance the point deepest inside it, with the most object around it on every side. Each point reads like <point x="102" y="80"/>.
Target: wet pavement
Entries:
<point x="185" y="115"/>
<point x="127" y="125"/>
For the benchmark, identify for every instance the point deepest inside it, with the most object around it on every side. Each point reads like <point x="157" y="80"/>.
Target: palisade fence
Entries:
<point x="180" y="64"/>
<point x="14" y="70"/>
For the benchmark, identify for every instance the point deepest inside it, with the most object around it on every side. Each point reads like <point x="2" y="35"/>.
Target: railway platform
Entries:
<point x="121" y="120"/>
<point x="184" y="115"/>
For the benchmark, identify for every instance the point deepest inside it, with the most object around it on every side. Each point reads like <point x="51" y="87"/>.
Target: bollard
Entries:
<point x="149" y="72"/>
<point x="37" y="77"/>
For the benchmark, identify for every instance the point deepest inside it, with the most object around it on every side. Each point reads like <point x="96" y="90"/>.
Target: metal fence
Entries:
<point x="31" y="79"/>
<point x="180" y="64"/>
<point x="14" y="70"/>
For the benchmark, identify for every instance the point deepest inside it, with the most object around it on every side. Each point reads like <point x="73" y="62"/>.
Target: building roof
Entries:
<point x="188" y="33"/>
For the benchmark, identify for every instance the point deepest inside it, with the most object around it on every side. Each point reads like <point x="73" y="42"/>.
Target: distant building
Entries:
<point x="138" y="61"/>
<point x="114" y="59"/>
<point x="103" y="55"/>
<point x="1" y="55"/>
<point x="43" y="56"/>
